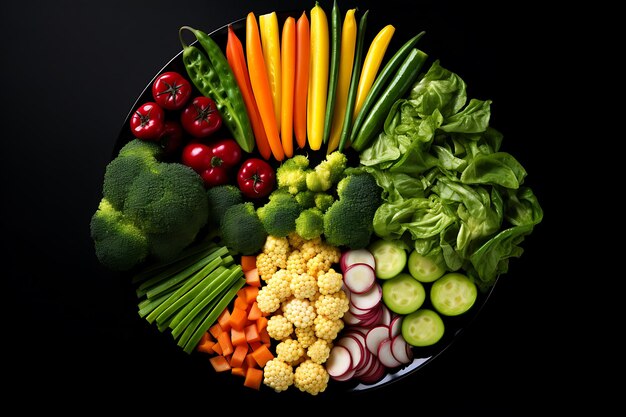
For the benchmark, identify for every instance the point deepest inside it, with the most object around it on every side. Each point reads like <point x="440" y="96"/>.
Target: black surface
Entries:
<point x="72" y="70"/>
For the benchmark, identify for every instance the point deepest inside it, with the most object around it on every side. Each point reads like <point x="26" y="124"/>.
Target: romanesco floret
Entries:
<point x="319" y="350"/>
<point x="265" y="266"/>
<point x="327" y="173"/>
<point x="278" y="249"/>
<point x="295" y="241"/>
<point x="326" y="328"/>
<point x="241" y="229"/>
<point x="295" y="262"/>
<point x="291" y="174"/>
<point x="329" y="282"/>
<point x="267" y="300"/>
<point x="280" y="284"/>
<point x="278" y="375"/>
<point x="303" y="286"/>
<point x="310" y="223"/>
<point x="279" y="214"/>
<point x="278" y="327"/>
<point x="289" y="351"/>
<point x="305" y="335"/>
<point x="300" y="312"/>
<point x="332" y="306"/>
<point x="311" y="377"/>
<point x="348" y="221"/>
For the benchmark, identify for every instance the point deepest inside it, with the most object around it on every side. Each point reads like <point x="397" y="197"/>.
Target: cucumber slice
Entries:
<point x="403" y="294"/>
<point x="423" y="327"/>
<point x="453" y="294"/>
<point x="423" y="268"/>
<point x="390" y="258"/>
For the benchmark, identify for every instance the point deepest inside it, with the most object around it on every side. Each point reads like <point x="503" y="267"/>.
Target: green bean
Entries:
<point x="335" y="30"/>
<point x="214" y="78"/>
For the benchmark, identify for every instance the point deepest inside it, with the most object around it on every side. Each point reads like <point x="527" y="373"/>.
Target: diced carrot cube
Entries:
<point x="206" y="346"/>
<point x="241" y="302"/>
<point x="215" y="330"/>
<point x="223" y="320"/>
<point x="255" y="312"/>
<point x="248" y="262"/>
<point x="238" y="371"/>
<point x="238" y="318"/>
<point x="238" y="337"/>
<point x="261" y="323"/>
<point x="251" y="293"/>
<point x="217" y="348"/>
<point x="250" y="361"/>
<point x="219" y="363"/>
<point x="252" y="277"/>
<point x="225" y="343"/>
<point x="253" y="378"/>
<point x="252" y="334"/>
<point x="262" y="355"/>
<point x="254" y="345"/>
<point x="239" y="356"/>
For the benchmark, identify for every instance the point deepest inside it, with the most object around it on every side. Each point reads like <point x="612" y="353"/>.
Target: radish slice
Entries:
<point x="375" y="374"/>
<point x="359" y="278"/>
<point x="339" y="361"/>
<point x="354" y="347"/>
<point x="399" y="350"/>
<point x="368" y="299"/>
<point x="385" y="355"/>
<point x="385" y="317"/>
<point x="355" y="256"/>
<point x="350" y="318"/>
<point x="395" y="327"/>
<point x="345" y="377"/>
<point x="375" y="336"/>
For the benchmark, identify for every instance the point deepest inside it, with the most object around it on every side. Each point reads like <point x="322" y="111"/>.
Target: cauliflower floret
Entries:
<point x="300" y="312"/>
<point x="326" y="328"/>
<point x="306" y="336"/>
<point x="277" y="248"/>
<point x="267" y="300"/>
<point x="303" y="286"/>
<point x="319" y="351"/>
<point x="278" y="375"/>
<point x="329" y="282"/>
<point x="332" y="306"/>
<point x="279" y="328"/>
<point x="280" y="283"/>
<point x="296" y="263"/>
<point x="295" y="240"/>
<point x="330" y="253"/>
<point x="311" y="377"/>
<point x="265" y="265"/>
<point x="310" y="248"/>
<point x="317" y="265"/>
<point x="289" y="351"/>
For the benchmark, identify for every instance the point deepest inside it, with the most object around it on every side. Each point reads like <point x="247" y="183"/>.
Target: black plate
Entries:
<point x="422" y="356"/>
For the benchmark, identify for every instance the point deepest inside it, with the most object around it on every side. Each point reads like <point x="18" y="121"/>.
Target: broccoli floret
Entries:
<point x="327" y="173"/>
<point x="348" y="221"/>
<point x="292" y="174"/>
<point x="323" y="201"/>
<point x="306" y="199"/>
<point x="310" y="223"/>
<point x="119" y="243"/>
<point x="242" y="230"/>
<point x="162" y="205"/>
<point x="279" y="214"/>
<point x="221" y="198"/>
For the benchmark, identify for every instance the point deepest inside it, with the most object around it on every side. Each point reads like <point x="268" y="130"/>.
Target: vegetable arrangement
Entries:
<point x="306" y="208"/>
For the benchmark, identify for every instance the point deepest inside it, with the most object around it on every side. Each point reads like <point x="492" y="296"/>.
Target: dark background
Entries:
<point x="71" y="72"/>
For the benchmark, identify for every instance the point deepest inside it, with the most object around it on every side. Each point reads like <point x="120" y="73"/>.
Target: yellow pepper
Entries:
<point x="371" y="64"/>
<point x="318" y="80"/>
<point x="346" y="62"/>
<point x="270" y="41"/>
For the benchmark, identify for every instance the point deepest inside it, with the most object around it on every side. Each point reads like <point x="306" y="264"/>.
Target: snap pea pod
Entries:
<point x="214" y="78"/>
<point x="381" y="81"/>
<point x="397" y="88"/>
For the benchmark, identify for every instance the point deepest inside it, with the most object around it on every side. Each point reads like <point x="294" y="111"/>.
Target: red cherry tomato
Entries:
<point x="147" y="121"/>
<point x="214" y="176"/>
<point x="171" y="138"/>
<point x="256" y="178"/>
<point x="226" y="153"/>
<point x="201" y="118"/>
<point x="171" y="90"/>
<point x="197" y="156"/>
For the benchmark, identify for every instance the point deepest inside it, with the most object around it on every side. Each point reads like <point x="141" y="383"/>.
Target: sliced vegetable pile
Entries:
<point x="307" y="209"/>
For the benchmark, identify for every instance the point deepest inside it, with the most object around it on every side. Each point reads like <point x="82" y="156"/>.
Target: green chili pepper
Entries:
<point x="214" y="78"/>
